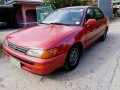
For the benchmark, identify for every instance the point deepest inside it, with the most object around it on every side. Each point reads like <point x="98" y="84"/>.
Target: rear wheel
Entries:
<point x="104" y="35"/>
<point x="73" y="57"/>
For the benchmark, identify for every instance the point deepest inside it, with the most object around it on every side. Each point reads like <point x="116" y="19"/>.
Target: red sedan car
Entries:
<point x="58" y="41"/>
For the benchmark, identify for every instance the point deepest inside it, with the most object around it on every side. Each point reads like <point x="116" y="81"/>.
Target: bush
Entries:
<point x="2" y="1"/>
<point x="1" y="52"/>
<point x="0" y="47"/>
<point x="66" y="3"/>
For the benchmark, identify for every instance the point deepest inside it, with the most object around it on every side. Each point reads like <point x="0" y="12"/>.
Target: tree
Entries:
<point x="2" y="1"/>
<point x="65" y="3"/>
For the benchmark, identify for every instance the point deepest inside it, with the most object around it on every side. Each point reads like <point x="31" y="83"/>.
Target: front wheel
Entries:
<point x="73" y="57"/>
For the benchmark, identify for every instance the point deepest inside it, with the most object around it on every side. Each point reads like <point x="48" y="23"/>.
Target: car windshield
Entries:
<point x="67" y="16"/>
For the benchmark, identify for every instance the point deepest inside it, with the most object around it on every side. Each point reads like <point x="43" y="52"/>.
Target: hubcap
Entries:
<point x="74" y="56"/>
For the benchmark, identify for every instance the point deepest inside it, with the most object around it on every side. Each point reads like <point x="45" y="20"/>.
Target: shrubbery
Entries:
<point x="0" y="48"/>
<point x="65" y="3"/>
<point x="2" y="1"/>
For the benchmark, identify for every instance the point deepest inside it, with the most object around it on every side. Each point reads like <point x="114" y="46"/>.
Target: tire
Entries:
<point x="73" y="58"/>
<point x="104" y="35"/>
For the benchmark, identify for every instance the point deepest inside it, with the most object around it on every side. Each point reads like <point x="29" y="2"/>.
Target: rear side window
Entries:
<point x="99" y="14"/>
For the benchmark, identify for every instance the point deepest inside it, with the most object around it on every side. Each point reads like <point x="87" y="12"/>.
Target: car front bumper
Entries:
<point x="36" y="65"/>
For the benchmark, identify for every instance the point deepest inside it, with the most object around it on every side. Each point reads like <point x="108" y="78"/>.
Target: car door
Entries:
<point x="101" y="21"/>
<point x="90" y="29"/>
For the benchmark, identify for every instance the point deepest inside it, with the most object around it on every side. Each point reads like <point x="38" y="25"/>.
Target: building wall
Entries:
<point x="30" y="12"/>
<point x="19" y="16"/>
<point x="106" y="7"/>
<point x="26" y="13"/>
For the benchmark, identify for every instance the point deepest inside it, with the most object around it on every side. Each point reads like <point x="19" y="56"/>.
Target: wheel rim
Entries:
<point x="74" y="56"/>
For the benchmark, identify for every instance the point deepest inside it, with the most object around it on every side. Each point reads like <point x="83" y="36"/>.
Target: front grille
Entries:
<point x="28" y="62"/>
<point x="17" y="48"/>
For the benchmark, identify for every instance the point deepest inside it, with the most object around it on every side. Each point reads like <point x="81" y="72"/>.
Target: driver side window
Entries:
<point x="90" y="14"/>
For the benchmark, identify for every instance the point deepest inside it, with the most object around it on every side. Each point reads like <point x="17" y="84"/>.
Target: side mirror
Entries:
<point x="91" y="22"/>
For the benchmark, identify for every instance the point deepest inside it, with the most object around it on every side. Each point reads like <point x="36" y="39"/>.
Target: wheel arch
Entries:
<point x="80" y="45"/>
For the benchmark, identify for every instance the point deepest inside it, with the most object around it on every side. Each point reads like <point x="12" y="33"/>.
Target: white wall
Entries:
<point x="106" y="7"/>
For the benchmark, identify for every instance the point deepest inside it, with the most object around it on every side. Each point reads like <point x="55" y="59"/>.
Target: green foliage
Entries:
<point x="65" y="3"/>
<point x="2" y="1"/>
<point x="0" y="48"/>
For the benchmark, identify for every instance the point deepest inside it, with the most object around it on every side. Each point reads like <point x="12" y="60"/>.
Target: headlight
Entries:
<point x="43" y="54"/>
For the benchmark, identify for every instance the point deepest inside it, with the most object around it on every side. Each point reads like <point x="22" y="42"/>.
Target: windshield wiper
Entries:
<point x="59" y="23"/>
<point x="55" y="23"/>
<point x="44" y="23"/>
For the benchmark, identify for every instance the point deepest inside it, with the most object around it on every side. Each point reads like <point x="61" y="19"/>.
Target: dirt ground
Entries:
<point x="99" y="69"/>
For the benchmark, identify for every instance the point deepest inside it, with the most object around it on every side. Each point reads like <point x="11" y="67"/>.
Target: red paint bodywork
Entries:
<point x="51" y="36"/>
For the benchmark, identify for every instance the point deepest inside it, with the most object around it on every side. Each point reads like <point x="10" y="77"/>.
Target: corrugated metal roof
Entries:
<point x="24" y="1"/>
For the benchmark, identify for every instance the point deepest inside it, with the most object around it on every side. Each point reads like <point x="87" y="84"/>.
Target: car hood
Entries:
<point x="40" y="36"/>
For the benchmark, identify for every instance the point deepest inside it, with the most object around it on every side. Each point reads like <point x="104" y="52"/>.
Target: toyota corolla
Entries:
<point x="58" y="41"/>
